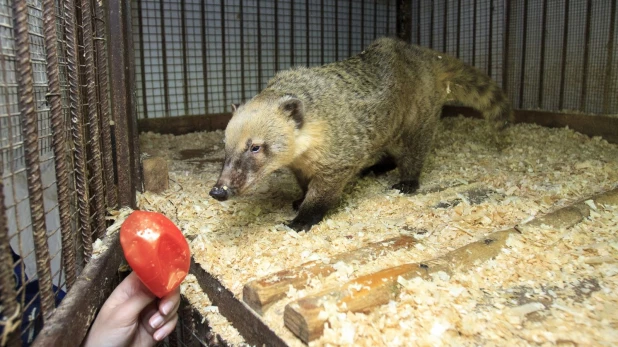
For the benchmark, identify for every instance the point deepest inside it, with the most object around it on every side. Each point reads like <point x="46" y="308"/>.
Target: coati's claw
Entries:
<point x="406" y="187"/>
<point x="296" y="204"/>
<point x="301" y="225"/>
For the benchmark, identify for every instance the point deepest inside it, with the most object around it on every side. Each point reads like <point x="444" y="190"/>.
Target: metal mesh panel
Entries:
<point x="40" y="214"/>
<point x="195" y="58"/>
<point x="469" y="30"/>
<point x="562" y="55"/>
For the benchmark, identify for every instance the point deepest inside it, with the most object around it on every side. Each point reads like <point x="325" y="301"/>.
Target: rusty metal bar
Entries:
<point x="505" y="45"/>
<point x="259" y="45"/>
<point x="111" y="195"/>
<point x="458" y="26"/>
<point x="31" y="154"/>
<point x="445" y="28"/>
<point x="307" y="49"/>
<point x="388" y="17"/>
<point x="375" y="19"/>
<point x="93" y="120"/>
<point x="292" y="33"/>
<point x="224" y="63"/>
<point x="276" y="35"/>
<point x="474" y="33"/>
<point x="404" y="18"/>
<point x="141" y="56"/>
<point x="349" y="28"/>
<point x="491" y="38"/>
<point x="542" y="62"/>
<point x="204" y="54"/>
<point x="54" y="98"/>
<point x="185" y="62"/>
<point x="243" y="83"/>
<point x="565" y="42"/>
<point x="431" y="23"/>
<point x="610" y="59"/>
<point x="11" y="311"/>
<point x="322" y="32"/>
<point x="522" y="71"/>
<point x="79" y="156"/>
<point x="121" y="92"/>
<point x="336" y="30"/>
<point x="362" y="25"/>
<point x="166" y="91"/>
<point x="582" y="99"/>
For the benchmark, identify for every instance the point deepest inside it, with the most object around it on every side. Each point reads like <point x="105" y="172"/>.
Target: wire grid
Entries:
<point x="562" y="55"/>
<point x="14" y="175"/>
<point x="469" y="30"/>
<point x="196" y="58"/>
<point x="13" y="161"/>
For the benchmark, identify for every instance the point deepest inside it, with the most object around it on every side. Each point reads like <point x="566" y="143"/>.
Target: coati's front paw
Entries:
<point x="296" y="204"/>
<point x="299" y="225"/>
<point x="406" y="187"/>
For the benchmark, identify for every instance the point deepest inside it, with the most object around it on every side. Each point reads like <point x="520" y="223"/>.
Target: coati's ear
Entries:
<point x="294" y="108"/>
<point x="235" y="107"/>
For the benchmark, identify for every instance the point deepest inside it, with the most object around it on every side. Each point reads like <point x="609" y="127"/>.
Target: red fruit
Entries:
<point x="156" y="250"/>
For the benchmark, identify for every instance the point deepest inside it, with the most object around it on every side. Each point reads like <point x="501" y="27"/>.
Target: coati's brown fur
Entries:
<point x="332" y="122"/>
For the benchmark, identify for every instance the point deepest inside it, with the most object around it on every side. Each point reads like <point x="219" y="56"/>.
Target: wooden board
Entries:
<point x="303" y="317"/>
<point x="591" y="125"/>
<point x="262" y="293"/>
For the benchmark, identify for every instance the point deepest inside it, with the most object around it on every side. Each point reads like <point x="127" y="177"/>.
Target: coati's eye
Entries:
<point x="255" y="148"/>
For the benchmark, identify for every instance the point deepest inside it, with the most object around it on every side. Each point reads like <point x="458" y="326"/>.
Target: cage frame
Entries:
<point x="69" y="322"/>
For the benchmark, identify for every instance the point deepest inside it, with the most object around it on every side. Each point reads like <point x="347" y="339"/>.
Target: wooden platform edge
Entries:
<point x="591" y="125"/>
<point x="262" y="293"/>
<point x="71" y="320"/>
<point x="302" y="317"/>
<point x="243" y="318"/>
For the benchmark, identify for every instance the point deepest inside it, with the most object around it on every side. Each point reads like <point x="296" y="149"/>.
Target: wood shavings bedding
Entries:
<point x="191" y="289"/>
<point x="542" y="289"/>
<point x="486" y="190"/>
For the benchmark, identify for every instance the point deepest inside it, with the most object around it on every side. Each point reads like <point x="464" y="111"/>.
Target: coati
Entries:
<point x="332" y="122"/>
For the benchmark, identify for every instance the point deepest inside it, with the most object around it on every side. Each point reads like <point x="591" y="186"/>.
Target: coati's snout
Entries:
<point x="259" y="139"/>
<point x="219" y="192"/>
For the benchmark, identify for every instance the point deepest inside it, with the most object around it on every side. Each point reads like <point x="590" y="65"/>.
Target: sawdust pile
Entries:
<point x="468" y="189"/>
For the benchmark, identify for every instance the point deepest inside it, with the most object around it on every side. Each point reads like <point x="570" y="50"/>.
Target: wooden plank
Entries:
<point x="302" y="318"/>
<point x="262" y="293"/>
<point x="243" y="318"/>
<point x="184" y="124"/>
<point x="591" y="125"/>
<point x="71" y="320"/>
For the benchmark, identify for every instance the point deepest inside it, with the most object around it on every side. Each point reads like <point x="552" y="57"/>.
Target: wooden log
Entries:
<point x="302" y="316"/>
<point x="262" y="293"/>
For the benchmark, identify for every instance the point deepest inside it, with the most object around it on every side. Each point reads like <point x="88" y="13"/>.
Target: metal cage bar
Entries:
<point x="111" y="196"/>
<point x="31" y="149"/>
<point x="59" y="141"/>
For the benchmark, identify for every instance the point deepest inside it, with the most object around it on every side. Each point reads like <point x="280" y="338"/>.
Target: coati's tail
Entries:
<point x="473" y="88"/>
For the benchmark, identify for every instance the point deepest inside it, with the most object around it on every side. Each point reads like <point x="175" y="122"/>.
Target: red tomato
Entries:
<point x="156" y="250"/>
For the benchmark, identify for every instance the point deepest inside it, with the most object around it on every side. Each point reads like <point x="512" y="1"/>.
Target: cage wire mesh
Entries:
<point x="58" y="134"/>
<point x="198" y="57"/>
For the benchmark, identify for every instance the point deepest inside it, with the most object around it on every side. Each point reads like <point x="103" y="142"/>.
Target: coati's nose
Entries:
<point x="219" y="193"/>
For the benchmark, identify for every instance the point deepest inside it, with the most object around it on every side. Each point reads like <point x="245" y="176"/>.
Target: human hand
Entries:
<point x="133" y="316"/>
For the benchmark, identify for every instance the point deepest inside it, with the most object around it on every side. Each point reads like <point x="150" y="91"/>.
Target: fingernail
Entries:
<point x="167" y="307"/>
<point x="159" y="335"/>
<point x="156" y="321"/>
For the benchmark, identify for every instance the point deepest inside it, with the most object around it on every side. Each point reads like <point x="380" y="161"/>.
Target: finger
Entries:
<point x="165" y="330"/>
<point x="147" y="316"/>
<point x="170" y="302"/>
<point x="131" y="295"/>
